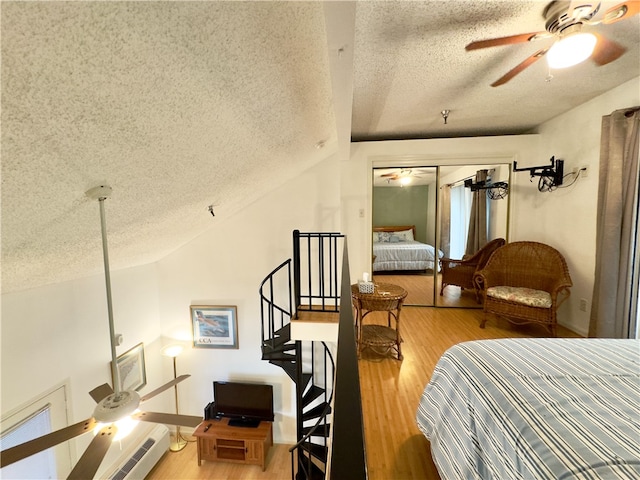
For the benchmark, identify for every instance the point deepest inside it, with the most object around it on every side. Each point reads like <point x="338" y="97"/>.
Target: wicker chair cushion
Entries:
<point x="522" y="295"/>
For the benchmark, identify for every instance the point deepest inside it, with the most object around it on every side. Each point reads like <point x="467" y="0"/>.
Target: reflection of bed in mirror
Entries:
<point x="395" y="249"/>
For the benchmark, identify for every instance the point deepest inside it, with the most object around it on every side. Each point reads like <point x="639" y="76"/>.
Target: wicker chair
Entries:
<point x="460" y="272"/>
<point x="525" y="282"/>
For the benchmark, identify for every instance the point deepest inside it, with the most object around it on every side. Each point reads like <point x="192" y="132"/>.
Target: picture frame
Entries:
<point x="214" y="326"/>
<point x="131" y="369"/>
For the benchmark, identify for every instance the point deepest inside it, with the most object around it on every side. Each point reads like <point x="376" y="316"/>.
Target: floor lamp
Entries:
<point x="173" y="351"/>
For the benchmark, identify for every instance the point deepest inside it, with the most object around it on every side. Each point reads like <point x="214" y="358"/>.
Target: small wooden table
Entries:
<point x="388" y="298"/>
<point x="220" y="442"/>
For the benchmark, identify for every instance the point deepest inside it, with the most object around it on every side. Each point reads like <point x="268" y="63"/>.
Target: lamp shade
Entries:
<point x="571" y="50"/>
<point x="172" y="350"/>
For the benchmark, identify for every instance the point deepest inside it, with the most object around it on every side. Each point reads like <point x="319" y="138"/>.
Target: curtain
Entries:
<point x="616" y="228"/>
<point x="477" y="237"/>
<point x="445" y="223"/>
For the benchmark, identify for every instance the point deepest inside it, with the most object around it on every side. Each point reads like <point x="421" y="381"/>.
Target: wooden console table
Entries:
<point x="388" y="298"/>
<point x="223" y="443"/>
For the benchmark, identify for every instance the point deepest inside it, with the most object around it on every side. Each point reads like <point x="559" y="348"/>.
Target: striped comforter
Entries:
<point x="535" y="409"/>
<point x="409" y="255"/>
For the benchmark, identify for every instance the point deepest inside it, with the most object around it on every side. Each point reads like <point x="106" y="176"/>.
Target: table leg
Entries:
<point x="398" y="338"/>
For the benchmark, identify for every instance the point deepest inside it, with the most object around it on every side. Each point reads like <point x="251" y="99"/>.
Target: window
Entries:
<point x="45" y="414"/>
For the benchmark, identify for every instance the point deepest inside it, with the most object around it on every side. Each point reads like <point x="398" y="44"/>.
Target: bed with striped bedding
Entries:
<point x="535" y="409"/>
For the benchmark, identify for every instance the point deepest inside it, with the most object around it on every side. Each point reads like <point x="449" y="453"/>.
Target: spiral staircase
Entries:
<point x="306" y="287"/>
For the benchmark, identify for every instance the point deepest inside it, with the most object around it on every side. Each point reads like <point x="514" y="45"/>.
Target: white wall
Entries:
<point x="59" y="334"/>
<point x="225" y="266"/>
<point x="566" y="218"/>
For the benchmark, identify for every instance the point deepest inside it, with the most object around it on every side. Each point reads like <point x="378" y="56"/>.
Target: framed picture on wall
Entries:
<point x="131" y="369"/>
<point x="214" y="326"/>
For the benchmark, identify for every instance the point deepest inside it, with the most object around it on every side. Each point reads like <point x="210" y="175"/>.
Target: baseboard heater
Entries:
<point x="144" y="457"/>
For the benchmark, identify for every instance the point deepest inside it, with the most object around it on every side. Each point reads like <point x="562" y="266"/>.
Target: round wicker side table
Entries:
<point x="388" y="298"/>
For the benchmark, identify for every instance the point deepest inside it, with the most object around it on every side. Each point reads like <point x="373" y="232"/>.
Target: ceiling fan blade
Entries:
<point x="606" y="50"/>
<point x="101" y="392"/>
<point x="24" y="450"/>
<point x="621" y="11"/>
<point x="170" y="418"/>
<point x="92" y="457"/>
<point x="515" y="71"/>
<point x="513" y="39"/>
<point x="389" y="175"/>
<point x="164" y="387"/>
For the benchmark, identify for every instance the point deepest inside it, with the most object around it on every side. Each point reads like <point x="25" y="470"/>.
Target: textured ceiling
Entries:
<point x="410" y="64"/>
<point x="180" y="105"/>
<point x="176" y="105"/>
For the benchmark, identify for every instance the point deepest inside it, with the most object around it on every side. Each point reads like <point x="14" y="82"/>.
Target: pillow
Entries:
<point x="394" y="239"/>
<point x="376" y="237"/>
<point x="405" y="235"/>
<point x="384" y="236"/>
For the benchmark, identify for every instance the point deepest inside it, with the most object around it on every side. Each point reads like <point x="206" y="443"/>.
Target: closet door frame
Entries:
<point x="440" y="163"/>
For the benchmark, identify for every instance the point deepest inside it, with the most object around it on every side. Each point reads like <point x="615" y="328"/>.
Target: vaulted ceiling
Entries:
<point x="182" y="105"/>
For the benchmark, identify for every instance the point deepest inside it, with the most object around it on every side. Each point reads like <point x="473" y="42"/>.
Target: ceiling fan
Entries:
<point x="116" y="409"/>
<point x="564" y="20"/>
<point x="403" y="175"/>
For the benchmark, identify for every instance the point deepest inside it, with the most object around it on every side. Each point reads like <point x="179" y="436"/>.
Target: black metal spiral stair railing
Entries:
<point x="300" y="361"/>
<point x="309" y="364"/>
<point x="316" y="280"/>
<point x="324" y="388"/>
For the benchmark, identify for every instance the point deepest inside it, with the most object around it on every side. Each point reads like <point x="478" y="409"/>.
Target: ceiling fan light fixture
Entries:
<point x="405" y="180"/>
<point x="571" y="50"/>
<point x="124" y="427"/>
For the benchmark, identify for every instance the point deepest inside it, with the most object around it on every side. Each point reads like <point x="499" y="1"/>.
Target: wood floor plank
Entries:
<point x="390" y="390"/>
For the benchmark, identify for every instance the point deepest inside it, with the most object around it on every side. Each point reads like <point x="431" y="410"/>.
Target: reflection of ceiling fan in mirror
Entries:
<point x="116" y="412"/>
<point x="564" y="20"/>
<point x="402" y="176"/>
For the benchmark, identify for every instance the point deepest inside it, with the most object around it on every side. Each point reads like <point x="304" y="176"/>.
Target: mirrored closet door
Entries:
<point x="422" y="215"/>
<point x="404" y="231"/>
<point x="473" y="216"/>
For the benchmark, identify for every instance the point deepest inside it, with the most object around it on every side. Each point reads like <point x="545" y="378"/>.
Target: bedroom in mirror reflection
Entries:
<point x="421" y="215"/>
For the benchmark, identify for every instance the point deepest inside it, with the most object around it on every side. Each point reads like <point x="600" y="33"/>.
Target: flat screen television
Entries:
<point x="245" y="404"/>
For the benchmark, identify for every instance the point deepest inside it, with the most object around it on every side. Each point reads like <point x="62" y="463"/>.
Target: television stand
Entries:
<point x="222" y="442"/>
<point x="244" y="422"/>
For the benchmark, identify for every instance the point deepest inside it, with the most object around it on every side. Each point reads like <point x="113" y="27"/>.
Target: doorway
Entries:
<point x="42" y="415"/>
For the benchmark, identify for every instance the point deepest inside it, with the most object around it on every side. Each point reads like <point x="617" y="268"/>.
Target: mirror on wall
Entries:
<point x="473" y="210"/>
<point x="423" y="214"/>
<point x="404" y="230"/>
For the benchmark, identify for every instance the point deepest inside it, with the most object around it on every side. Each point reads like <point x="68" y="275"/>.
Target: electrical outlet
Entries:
<point x="361" y="213"/>
<point x="583" y="304"/>
<point x="584" y="171"/>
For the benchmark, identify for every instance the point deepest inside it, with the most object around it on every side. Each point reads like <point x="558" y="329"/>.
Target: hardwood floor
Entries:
<point x="391" y="390"/>
<point x="421" y="293"/>
<point x="184" y="465"/>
